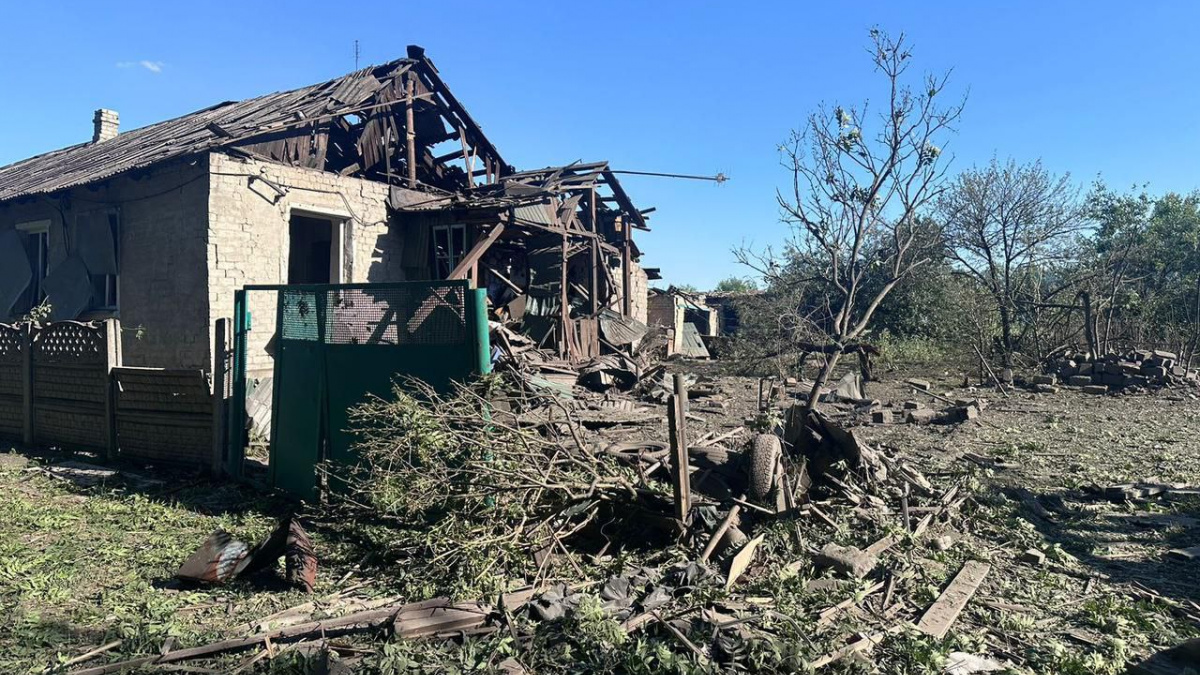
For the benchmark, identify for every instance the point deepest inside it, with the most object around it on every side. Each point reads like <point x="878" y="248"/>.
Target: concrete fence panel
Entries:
<point x="164" y="416"/>
<point x="12" y="382"/>
<point x="71" y="386"/>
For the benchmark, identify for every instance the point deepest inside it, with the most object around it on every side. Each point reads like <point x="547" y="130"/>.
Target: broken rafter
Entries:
<point x="468" y="261"/>
<point x="428" y="72"/>
<point x="624" y="201"/>
<point x="504" y="280"/>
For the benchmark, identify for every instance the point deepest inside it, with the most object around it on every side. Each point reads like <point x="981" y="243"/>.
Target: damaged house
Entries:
<point x="377" y="176"/>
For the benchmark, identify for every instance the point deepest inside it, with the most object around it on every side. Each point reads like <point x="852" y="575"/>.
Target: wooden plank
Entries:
<point x="476" y="252"/>
<point x="676" y="422"/>
<point x="941" y="614"/>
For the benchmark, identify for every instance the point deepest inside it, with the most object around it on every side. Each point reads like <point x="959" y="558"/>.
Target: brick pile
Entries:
<point x="1138" y="369"/>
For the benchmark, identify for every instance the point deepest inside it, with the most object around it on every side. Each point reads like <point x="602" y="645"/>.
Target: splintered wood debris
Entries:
<point x="941" y="615"/>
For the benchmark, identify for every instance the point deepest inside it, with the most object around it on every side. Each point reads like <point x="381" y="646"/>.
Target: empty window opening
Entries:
<point x="35" y="237"/>
<point x="314" y="250"/>
<point x="96" y="238"/>
<point x="449" y="247"/>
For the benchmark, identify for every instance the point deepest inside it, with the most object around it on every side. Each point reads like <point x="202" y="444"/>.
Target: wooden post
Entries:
<point x="677" y="423"/>
<point x="112" y="342"/>
<point x="220" y="378"/>
<point x="626" y="272"/>
<point x="410" y="132"/>
<point x="27" y="383"/>
<point x="563" y="300"/>
<point x="594" y="287"/>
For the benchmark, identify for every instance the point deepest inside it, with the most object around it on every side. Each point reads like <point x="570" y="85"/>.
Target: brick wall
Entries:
<point x="163" y="275"/>
<point x="248" y="234"/>
<point x="639" y="296"/>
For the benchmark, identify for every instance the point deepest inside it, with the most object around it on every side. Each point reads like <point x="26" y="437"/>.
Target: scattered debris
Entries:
<point x="961" y="663"/>
<point x="848" y="560"/>
<point x="941" y="615"/>
<point x="221" y="558"/>
<point x="1033" y="557"/>
<point x="1133" y="370"/>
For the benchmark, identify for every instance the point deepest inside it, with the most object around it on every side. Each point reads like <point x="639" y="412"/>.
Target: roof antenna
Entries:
<point x="356" y="54"/>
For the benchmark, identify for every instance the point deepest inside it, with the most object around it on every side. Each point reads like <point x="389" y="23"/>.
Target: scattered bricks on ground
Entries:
<point x="921" y="416"/>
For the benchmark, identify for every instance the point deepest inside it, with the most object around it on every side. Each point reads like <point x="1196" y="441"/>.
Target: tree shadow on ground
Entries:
<point x="344" y="542"/>
<point x="26" y="637"/>
<point x="1082" y="532"/>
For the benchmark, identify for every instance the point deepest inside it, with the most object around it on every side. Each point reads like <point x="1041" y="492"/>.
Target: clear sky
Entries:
<point x="1095" y="87"/>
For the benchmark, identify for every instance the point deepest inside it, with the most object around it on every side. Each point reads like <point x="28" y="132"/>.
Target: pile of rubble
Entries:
<point x="917" y="412"/>
<point x="1137" y="369"/>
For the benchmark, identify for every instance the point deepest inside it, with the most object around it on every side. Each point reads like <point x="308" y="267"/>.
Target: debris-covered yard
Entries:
<point x="1016" y="520"/>
<point x="498" y="451"/>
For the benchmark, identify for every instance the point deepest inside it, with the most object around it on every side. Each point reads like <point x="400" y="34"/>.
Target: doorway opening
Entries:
<point x="314" y="250"/>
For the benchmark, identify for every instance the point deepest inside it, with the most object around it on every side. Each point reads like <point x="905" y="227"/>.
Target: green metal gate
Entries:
<point x="337" y="344"/>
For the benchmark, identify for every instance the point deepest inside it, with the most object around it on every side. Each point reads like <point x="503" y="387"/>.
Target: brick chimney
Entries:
<point x="105" y="125"/>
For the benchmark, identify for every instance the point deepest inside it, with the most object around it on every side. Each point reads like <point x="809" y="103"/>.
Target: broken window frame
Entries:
<point x="108" y="284"/>
<point x="446" y="258"/>
<point x="39" y="261"/>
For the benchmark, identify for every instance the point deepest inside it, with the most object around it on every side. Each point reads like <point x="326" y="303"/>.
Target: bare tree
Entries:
<point x="1004" y="225"/>
<point x="854" y="202"/>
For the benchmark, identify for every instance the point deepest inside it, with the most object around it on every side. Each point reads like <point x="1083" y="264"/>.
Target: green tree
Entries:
<point x="859" y="182"/>
<point x="1005" y="225"/>
<point x="736" y="285"/>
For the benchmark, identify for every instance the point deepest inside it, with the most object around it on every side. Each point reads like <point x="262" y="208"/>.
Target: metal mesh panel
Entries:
<point x="429" y="314"/>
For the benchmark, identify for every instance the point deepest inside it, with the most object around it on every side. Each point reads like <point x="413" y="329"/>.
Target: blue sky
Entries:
<point x="692" y="87"/>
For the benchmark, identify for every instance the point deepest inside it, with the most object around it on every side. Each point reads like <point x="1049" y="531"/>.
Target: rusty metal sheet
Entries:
<point x="219" y="559"/>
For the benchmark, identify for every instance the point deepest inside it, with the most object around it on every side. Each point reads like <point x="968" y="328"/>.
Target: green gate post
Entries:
<point x="477" y="306"/>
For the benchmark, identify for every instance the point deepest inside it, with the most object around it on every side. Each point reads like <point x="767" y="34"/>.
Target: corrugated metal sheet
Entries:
<point x="538" y="214"/>
<point x="620" y="330"/>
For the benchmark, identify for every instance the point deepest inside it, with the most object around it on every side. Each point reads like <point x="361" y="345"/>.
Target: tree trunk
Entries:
<point x="1191" y="351"/>
<point x="1088" y="326"/>
<point x="814" y="394"/>
<point x="1006" y="332"/>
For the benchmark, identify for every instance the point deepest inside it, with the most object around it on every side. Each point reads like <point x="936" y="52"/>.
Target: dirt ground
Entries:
<point x="83" y="566"/>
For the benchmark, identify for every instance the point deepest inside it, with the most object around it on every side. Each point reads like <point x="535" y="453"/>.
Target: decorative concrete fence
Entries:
<point x="62" y="385"/>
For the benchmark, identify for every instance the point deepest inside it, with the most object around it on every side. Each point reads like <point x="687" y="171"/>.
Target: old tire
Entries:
<point x="764" y="465"/>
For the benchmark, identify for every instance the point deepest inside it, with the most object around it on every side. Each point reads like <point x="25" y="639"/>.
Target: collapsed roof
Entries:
<point x="354" y="125"/>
